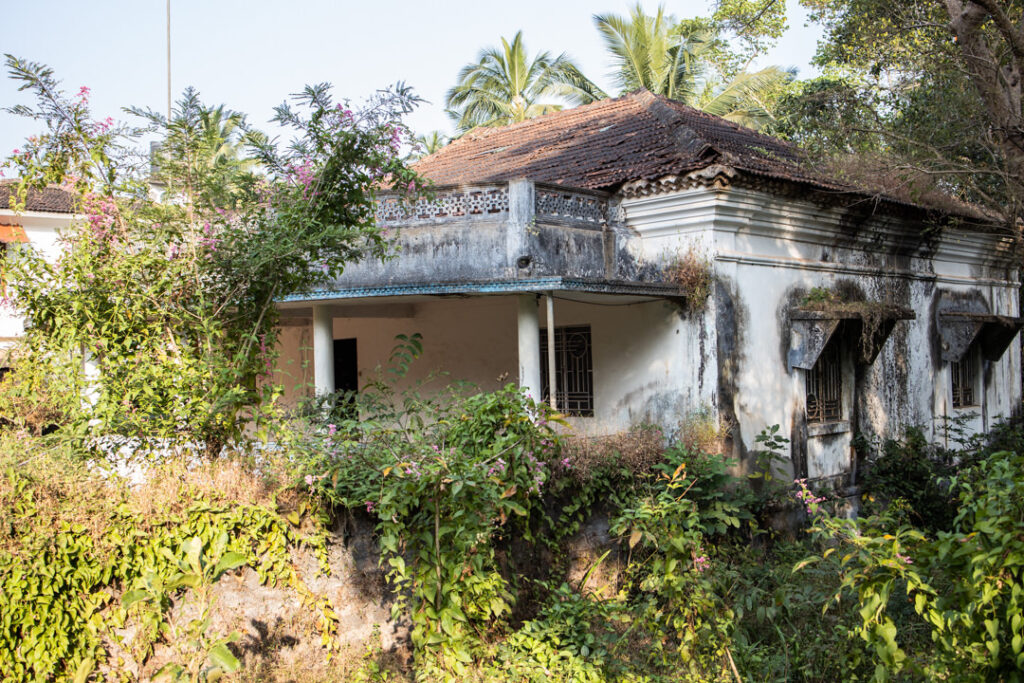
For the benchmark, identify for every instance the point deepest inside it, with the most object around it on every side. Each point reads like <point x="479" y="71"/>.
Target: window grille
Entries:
<point x="574" y="370"/>
<point x="963" y="374"/>
<point x="825" y="387"/>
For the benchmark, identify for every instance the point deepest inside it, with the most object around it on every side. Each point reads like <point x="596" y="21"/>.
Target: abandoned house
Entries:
<point x="636" y="261"/>
<point x="645" y="262"/>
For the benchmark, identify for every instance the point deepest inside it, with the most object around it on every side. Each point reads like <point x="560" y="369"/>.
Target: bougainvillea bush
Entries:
<point x="158" y="320"/>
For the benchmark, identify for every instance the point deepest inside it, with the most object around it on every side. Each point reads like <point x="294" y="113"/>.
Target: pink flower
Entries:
<point x="331" y="429"/>
<point x="309" y="480"/>
<point x="701" y="562"/>
<point x="369" y="506"/>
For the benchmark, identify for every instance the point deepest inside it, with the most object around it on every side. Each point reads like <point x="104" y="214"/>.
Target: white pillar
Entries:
<point x="323" y="350"/>
<point x="552" y="375"/>
<point x="529" y="346"/>
<point x="91" y="375"/>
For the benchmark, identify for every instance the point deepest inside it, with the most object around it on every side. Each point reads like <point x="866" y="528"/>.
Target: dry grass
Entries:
<point x="175" y="484"/>
<point x="638" y="450"/>
<point x="701" y="432"/>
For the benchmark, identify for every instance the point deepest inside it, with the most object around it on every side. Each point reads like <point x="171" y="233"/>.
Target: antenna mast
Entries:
<point x="168" y="61"/>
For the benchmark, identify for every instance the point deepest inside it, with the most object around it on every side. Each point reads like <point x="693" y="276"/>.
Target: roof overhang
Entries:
<point x="867" y="325"/>
<point x="519" y="286"/>
<point x="960" y="329"/>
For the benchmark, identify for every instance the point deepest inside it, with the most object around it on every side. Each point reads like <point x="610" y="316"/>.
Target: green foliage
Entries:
<point x="505" y="86"/>
<point x="674" y="581"/>
<point x="917" y="473"/>
<point x="964" y="584"/>
<point x="444" y="477"/>
<point x="59" y="585"/>
<point x="917" y="91"/>
<point x="689" y="60"/>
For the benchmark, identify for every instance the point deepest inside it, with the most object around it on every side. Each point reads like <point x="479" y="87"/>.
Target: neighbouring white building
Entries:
<point x="46" y="212"/>
<point x="832" y="312"/>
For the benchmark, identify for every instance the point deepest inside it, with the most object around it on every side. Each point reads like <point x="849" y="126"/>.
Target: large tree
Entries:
<point x="689" y="61"/>
<point x="935" y="84"/>
<point x="505" y="86"/>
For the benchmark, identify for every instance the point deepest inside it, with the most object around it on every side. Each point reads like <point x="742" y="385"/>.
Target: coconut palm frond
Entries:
<point x="504" y="86"/>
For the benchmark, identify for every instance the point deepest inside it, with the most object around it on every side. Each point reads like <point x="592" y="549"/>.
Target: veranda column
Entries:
<point x="323" y="350"/>
<point x="552" y="375"/>
<point x="529" y="346"/>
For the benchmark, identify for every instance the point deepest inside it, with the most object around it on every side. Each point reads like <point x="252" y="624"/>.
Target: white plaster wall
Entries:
<point x="470" y="339"/>
<point x="651" y="363"/>
<point x="767" y="249"/>
<point x="42" y="231"/>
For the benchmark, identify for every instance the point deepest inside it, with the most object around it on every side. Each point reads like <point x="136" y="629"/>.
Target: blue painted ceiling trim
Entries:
<point x="497" y="287"/>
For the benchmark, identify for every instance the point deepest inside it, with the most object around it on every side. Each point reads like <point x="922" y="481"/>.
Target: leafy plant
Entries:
<point x="444" y="477"/>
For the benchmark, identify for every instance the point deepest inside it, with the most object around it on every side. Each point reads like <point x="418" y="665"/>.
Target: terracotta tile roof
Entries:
<point x="600" y="146"/>
<point x="49" y="199"/>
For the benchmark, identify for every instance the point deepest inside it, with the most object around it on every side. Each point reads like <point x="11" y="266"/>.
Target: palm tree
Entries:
<point x="428" y="143"/>
<point x="677" y="59"/>
<point x="503" y="86"/>
<point x="203" y="148"/>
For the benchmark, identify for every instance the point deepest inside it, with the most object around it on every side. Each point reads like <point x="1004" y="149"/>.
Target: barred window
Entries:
<point x="963" y="376"/>
<point x="574" y="370"/>
<point x="825" y="386"/>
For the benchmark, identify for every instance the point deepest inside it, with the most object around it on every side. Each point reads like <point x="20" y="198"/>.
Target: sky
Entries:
<point x="251" y="54"/>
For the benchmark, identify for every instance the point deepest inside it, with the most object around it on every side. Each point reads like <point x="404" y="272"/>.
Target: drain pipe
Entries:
<point x="552" y="377"/>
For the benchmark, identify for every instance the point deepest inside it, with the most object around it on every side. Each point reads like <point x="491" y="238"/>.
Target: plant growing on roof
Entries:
<point x="694" y="273"/>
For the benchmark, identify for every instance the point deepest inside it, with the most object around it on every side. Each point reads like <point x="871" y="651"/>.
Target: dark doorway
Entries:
<point x="346" y="375"/>
<point x="346" y="365"/>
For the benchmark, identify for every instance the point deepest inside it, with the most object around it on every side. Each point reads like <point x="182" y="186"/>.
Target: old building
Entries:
<point x="576" y="250"/>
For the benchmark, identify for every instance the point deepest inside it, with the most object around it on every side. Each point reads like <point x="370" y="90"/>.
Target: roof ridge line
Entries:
<point x="693" y="145"/>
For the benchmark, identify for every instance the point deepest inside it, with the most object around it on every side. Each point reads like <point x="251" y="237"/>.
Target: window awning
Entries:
<point x="960" y="329"/>
<point x="866" y="325"/>
<point x="12" y="232"/>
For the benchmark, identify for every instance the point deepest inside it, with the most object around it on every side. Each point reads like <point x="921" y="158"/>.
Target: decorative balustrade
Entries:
<point x="576" y="208"/>
<point x="469" y="202"/>
<point x="570" y="206"/>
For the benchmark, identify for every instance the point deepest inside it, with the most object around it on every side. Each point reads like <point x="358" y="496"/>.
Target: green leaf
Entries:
<point x="230" y="560"/>
<point x="221" y="656"/>
<point x="805" y="562"/>
<point x="132" y="597"/>
<point x="84" y="669"/>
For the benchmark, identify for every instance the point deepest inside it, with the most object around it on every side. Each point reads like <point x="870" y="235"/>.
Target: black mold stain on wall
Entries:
<point x="730" y="323"/>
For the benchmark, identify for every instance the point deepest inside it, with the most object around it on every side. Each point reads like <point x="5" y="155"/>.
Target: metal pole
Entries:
<point x="552" y="377"/>
<point x="168" y="61"/>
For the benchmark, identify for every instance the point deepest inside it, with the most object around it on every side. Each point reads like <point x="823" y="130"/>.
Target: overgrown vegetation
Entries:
<point x="109" y="567"/>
